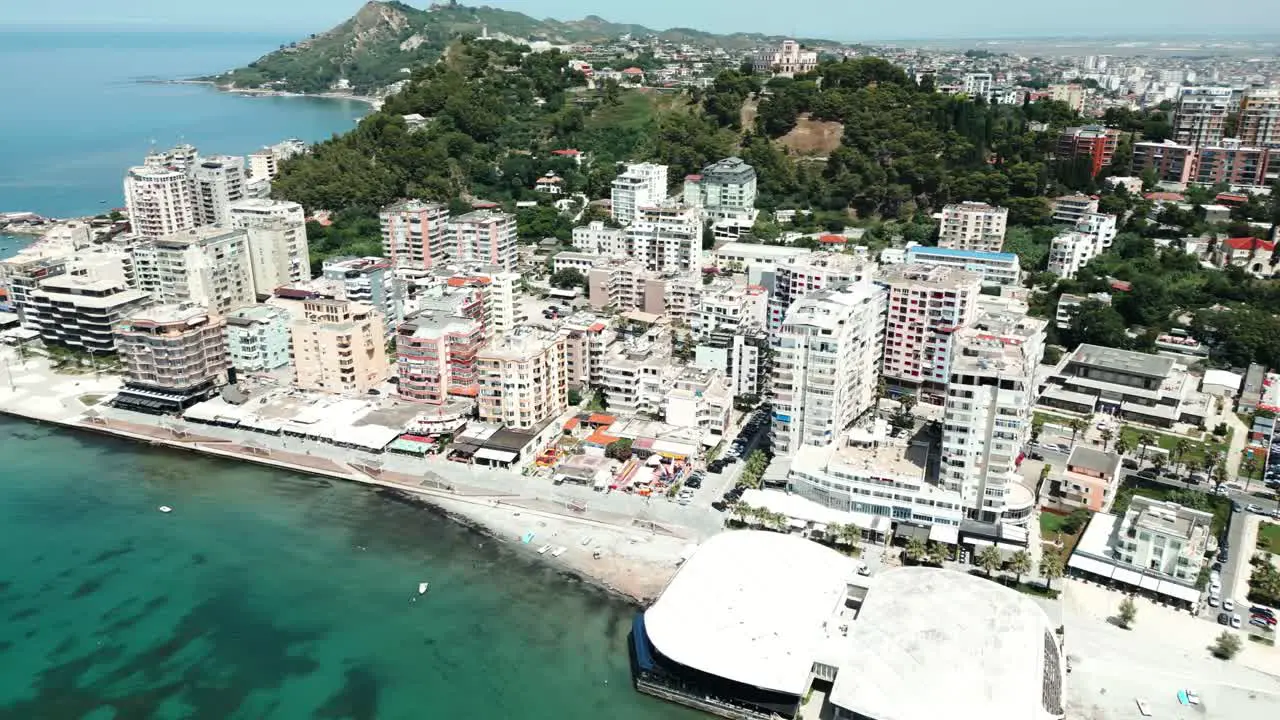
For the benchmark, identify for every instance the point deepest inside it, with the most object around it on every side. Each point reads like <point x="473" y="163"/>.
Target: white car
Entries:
<point x="1215" y="588"/>
<point x="1235" y="622"/>
<point x="1228" y="605"/>
<point x="1220" y="490"/>
<point x="1255" y="509"/>
<point x="1213" y="599"/>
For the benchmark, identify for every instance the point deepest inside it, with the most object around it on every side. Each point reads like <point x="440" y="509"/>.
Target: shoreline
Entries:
<point x="501" y="521"/>
<point x="372" y="102"/>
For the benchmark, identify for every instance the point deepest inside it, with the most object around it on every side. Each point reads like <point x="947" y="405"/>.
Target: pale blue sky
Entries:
<point x="836" y="19"/>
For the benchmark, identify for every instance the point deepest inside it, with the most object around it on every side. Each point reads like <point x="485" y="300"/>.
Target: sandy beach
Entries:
<point x="607" y="549"/>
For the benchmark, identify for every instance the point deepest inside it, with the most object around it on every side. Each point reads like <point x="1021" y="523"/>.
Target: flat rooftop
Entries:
<point x="1125" y="361"/>
<point x="1095" y="460"/>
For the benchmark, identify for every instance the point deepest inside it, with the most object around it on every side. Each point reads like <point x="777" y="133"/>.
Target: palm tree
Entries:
<point x="1037" y="426"/>
<point x="1123" y="446"/>
<point x="1249" y="466"/>
<point x="990" y="560"/>
<point x="1106" y="434"/>
<point x="740" y="510"/>
<point x="1158" y="463"/>
<point x="938" y="553"/>
<point x="1050" y="567"/>
<point x="850" y="535"/>
<point x="1020" y="564"/>
<point x="1145" y="440"/>
<point x="1180" y="452"/>
<point x="917" y="550"/>
<point x="1076" y="425"/>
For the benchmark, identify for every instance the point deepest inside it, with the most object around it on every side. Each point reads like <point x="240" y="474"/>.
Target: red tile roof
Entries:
<point x="597" y="327"/>
<point x="570" y="152"/>
<point x="571" y="423"/>
<point x="1121" y="285"/>
<point x="601" y="419"/>
<point x="1250" y="244"/>
<point x="1167" y="196"/>
<point x="633" y="71"/>
<point x="833" y="239"/>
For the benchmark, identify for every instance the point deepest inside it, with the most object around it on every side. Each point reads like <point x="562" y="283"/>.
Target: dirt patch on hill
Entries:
<point x="813" y="137"/>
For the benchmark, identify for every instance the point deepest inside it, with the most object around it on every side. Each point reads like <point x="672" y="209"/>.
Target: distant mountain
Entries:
<point x="371" y="48"/>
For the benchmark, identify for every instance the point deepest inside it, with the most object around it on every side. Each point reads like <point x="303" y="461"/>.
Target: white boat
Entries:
<point x="543" y="550"/>
<point x="165" y="509"/>
<point x="422" y="588"/>
<point x="558" y="551"/>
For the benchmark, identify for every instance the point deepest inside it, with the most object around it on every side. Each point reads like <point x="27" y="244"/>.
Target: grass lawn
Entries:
<point x="1269" y="537"/>
<point x="1051" y="523"/>
<point x="1195" y="450"/>
<point x="1051" y="419"/>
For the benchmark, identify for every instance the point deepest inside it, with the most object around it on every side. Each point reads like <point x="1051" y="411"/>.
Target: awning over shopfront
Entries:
<point x="501" y="456"/>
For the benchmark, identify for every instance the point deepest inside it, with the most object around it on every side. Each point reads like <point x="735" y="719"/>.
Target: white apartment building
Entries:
<point x="699" y="398"/>
<point x="748" y="256"/>
<point x="927" y="304"/>
<point x="1073" y="208"/>
<point x="995" y="268"/>
<point x="580" y="261"/>
<point x="415" y="233"/>
<point x="826" y="365"/>
<point x="666" y="237"/>
<point x="739" y="356"/>
<point x="1074" y="249"/>
<point x="500" y="295"/>
<point x="978" y="85"/>
<point x="278" y="254"/>
<point x="635" y="376"/>
<point x="800" y="274"/>
<point x="987" y="420"/>
<point x="1200" y="115"/>
<point x="725" y="190"/>
<point x="484" y="236"/>
<point x="596" y="238"/>
<point x="522" y="379"/>
<point x="1069" y="304"/>
<point x="209" y="266"/>
<point x="217" y="182"/>
<point x="367" y="280"/>
<point x="786" y="59"/>
<point x="973" y="226"/>
<point x="250" y="211"/>
<point x="724" y="306"/>
<point x="159" y="201"/>
<point x="258" y="338"/>
<point x="866" y="471"/>
<point x="1164" y="537"/>
<point x="638" y="186"/>
<point x="263" y="164"/>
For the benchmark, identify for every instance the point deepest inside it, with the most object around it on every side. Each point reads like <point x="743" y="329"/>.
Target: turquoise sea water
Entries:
<point x="74" y="114"/>
<point x="270" y="595"/>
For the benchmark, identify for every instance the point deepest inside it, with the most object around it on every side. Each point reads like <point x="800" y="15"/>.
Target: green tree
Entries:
<point x="1128" y="612"/>
<point x="568" y="278"/>
<point x="1226" y="646"/>
<point x="619" y="449"/>
<point x="1020" y="564"/>
<point x="917" y="550"/>
<point x="1051" y="567"/>
<point x="1037" y="427"/>
<point x="1076" y="425"/>
<point x="989" y="560"/>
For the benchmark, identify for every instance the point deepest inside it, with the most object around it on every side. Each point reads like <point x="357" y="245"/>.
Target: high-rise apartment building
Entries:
<point x="666" y="237"/>
<point x="1072" y="95"/>
<point x="159" y="201"/>
<point x="278" y="254"/>
<point x="1200" y="115"/>
<point x="826" y="364"/>
<point x="1092" y="234"/>
<point x="484" y="236"/>
<point x="80" y="312"/>
<point x="522" y="379"/>
<point x="1170" y="161"/>
<point x="366" y="279"/>
<point x="1259" y="124"/>
<point x="258" y="338"/>
<point x="415" y="233"/>
<point x="988" y="415"/>
<point x="217" y="183"/>
<point x="1093" y="143"/>
<point x="724" y="190"/>
<point x="638" y="186"/>
<point x="595" y="238"/>
<point x="208" y="266"/>
<point x="977" y="85"/>
<point x="436" y="357"/>
<point x="339" y="346"/>
<point x="926" y="305"/>
<point x="251" y="211"/>
<point x="973" y="226"/>
<point x="174" y="356"/>
<point x="795" y="275"/>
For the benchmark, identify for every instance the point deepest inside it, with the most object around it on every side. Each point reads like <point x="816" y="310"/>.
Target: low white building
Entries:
<point x="699" y="398"/>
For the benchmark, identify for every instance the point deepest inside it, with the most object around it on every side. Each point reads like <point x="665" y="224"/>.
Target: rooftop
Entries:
<point x="1002" y="257"/>
<point x="774" y="251"/>
<point x="1087" y="458"/>
<point x="721" y="612"/>
<point x="935" y="276"/>
<point x="199" y="236"/>
<point x="255" y="314"/>
<point x="931" y="643"/>
<point x="1169" y="518"/>
<point x="1126" y="361"/>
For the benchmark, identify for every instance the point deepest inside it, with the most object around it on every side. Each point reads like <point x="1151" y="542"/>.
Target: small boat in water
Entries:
<point x="165" y="509"/>
<point x="422" y="588"/>
<point x="543" y="550"/>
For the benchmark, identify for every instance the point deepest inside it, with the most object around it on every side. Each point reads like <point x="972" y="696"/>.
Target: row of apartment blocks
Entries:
<point x="421" y="235"/>
<point x="1228" y="161"/>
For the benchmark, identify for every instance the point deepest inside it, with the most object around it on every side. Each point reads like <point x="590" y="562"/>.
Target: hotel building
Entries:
<point x="174" y="357"/>
<point x="82" y="313"/>
<point x="927" y="304"/>
<point x="638" y="186"/>
<point x="339" y="346"/>
<point x="522" y="380"/>
<point x="208" y="266"/>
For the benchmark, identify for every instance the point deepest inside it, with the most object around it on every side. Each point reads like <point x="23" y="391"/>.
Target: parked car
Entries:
<point x="1221" y="490"/>
<point x="1224" y="619"/>
<point x="1235" y="622"/>
<point x="1267" y="620"/>
<point x="1260" y="622"/>
<point x="1229" y="605"/>
<point x="1146" y="473"/>
<point x="1262" y="610"/>
<point x="1214" y="600"/>
<point x="1255" y="509"/>
<point x="1236" y="507"/>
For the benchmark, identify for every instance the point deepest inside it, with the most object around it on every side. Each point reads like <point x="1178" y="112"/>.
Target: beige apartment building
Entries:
<point x="339" y="346"/>
<point x="973" y="226"/>
<point x="174" y="356"/>
<point x="208" y="266"/>
<point x="522" y="379"/>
